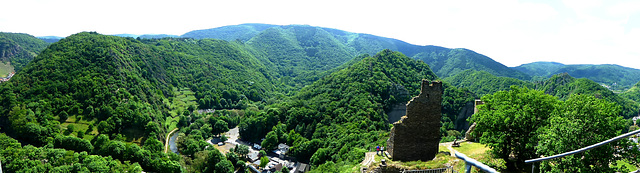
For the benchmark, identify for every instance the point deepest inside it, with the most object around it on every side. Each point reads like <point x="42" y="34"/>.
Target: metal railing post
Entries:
<point x="533" y="167"/>
<point x="472" y="162"/>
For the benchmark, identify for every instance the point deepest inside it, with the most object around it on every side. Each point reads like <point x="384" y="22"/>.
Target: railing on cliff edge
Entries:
<point x="533" y="161"/>
<point x="472" y="162"/>
<point x="438" y="170"/>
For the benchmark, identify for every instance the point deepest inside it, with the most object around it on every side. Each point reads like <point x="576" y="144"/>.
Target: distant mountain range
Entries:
<point x="332" y="47"/>
<point x="613" y="76"/>
<point x="50" y="39"/>
<point x="307" y="51"/>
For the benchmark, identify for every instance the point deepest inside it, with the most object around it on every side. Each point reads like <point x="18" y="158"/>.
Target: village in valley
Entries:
<point x="4" y="79"/>
<point x="277" y="159"/>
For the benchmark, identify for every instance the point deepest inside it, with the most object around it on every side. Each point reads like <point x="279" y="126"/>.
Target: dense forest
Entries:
<point x="98" y="103"/>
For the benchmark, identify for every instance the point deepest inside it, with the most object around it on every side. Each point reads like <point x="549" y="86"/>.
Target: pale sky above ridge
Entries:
<point x="509" y="31"/>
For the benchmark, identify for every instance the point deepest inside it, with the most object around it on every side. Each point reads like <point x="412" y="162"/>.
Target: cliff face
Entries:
<point x="19" y="49"/>
<point x="417" y="135"/>
<point x="7" y="51"/>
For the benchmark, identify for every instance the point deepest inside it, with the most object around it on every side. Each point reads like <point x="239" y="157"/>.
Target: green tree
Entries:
<point x="63" y="116"/>
<point x="579" y="122"/>
<point x="224" y="166"/>
<point x="152" y="127"/>
<point x="70" y="129"/>
<point x="270" y="142"/>
<point x="223" y="138"/>
<point x="233" y="158"/>
<point x="264" y="160"/>
<point x="220" y="126"/>
<point x="153" y="145"/>
<point x="508" y="122"/>
<point x="105" y="128"/>
<point x="242" y="150"/>
<point x="80" y="134"/>
<point x="262" y="153"/>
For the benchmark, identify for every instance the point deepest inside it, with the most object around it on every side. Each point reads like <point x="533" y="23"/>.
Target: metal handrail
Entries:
<point x="583" y="149"/>
<point x="472" y="162"/>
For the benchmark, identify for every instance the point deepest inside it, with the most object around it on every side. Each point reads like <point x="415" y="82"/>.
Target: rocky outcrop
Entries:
<point x="417" y="135"/>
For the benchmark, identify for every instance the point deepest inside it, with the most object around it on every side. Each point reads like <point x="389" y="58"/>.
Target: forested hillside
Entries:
<point x="283" y="44"/>
<point x="19" y="49"/>
<point x="614" y="76"/>
<point x="50" y="39"/>
<point x="563" y="86"/>
<point x="482" y="83"/>
<point x="339" y="117"/>
<point x="632" y="93"/>
<point x="241" y="32"/>
<point x="120" y="91"/>
<point x="300" y="51"/>
<point x="150" y="36"/>
<point x="541" y="69"/>
<point x="454" y="61"/>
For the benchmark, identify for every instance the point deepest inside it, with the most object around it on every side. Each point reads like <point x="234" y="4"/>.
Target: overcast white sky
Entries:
<point x="509" y="31"/>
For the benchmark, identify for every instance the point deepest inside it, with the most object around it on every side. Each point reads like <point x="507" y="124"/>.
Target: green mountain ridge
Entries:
<point x="614" y="76"/>
<point x="563" y="85"/>
<point x="482" y="83"/>
<point x="450" y="63"/>
<point x="301" y="43"/>
<point x="50" y="39"/>
<point x="560" y="85"/>
<point x="241" y="32"/>
<point x="632" y="93"/>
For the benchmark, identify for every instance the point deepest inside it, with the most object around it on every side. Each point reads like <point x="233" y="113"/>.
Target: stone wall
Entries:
<point x="417" y="135"/>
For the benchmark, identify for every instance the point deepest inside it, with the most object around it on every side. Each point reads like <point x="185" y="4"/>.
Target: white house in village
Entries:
<point x="282" y="150"/>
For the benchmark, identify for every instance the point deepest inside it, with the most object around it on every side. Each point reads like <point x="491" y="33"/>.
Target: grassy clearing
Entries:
<point x="184" y="98"/>
<point x="479" y="152"/>
<point x="171" y="122"/>
<point x="442" y="160"/>
<point x="5" y="69"/>
<point x="134" y="135"/>
<point x="625" y="165"/>
<point x="472" y="149"/>
<point x="80" y="125"/>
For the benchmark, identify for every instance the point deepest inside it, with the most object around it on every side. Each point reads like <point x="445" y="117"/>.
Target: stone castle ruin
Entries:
<point x="417" y="135"/>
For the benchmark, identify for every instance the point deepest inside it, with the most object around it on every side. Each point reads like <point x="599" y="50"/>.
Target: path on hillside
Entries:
<point x="368" y="159"/>
<point x="451" y="150"/>
<point x="166" y="143"/>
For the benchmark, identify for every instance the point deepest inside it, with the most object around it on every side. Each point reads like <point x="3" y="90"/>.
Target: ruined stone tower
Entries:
<point x="417" y="135"/>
